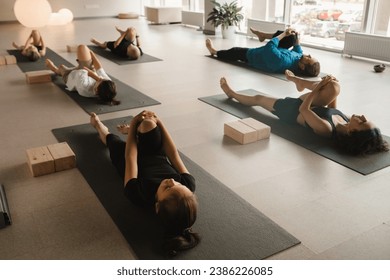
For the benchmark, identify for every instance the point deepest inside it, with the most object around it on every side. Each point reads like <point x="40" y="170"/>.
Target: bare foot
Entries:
<point x="291" y="77"/>
<point x="93" y="40"/>
<point x="210" y="47"/>
<point x="94" y="120"/>
<point x="99" y="126"/>
<point x="51" y="66"/>
<point x="15" y="45"/>
<point x="123" y="128"/>
<point x="226" y="88"/>
<point x="259" y="34"/>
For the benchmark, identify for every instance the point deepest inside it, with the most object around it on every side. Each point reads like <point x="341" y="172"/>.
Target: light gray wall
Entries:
<point x="80" y="9"/>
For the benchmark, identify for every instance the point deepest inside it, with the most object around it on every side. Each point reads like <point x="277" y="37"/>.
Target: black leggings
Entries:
<point x="286" y="42"/>
<point x="234" y="54"/>
<point x="149" y="144"/>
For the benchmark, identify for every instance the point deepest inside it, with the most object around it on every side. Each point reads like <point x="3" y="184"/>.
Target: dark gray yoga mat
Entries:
<point x="130" y="97"/>
<point x="230" y="227"/>
<point x="275" y="75"/>
<point x="300" y="135"/>
<point x="120" y="60"/>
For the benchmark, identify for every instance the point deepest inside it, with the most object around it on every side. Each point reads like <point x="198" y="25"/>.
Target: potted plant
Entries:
<point x="227" y="16"/>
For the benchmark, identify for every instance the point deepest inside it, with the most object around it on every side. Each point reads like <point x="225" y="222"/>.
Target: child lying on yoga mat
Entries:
<point x="275" y="57"/>
<point x="34" y="48"/>
<point x="317" y="111"/>
<point x="128" y="44"/>
<point x="88" y="78"/>
<point x="154" y="176"/>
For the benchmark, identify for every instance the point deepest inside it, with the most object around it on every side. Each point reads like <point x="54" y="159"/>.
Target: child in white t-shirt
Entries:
<point x="88" y="78"/>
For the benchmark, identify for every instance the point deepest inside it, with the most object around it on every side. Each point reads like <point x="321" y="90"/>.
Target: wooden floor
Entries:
<point x="335" y="212"/>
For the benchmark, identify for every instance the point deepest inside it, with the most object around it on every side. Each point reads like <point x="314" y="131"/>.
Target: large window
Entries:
<point x="324" y="22"/>
<point x="320" y="22"/>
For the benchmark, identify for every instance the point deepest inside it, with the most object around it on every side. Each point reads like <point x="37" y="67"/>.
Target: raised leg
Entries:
<point x="99" y="44"/>
<point x="300" y="83"/>
<point x="263" y="101"/>
<point x="100" y="127"/>
<point x="36" y="37"/>
<point x="83" y="53"/>
<point x="327" y="95"/>
<point x="52" y="66"/>
<point x="261" y="35"/>
<point x="131" y="34"/>
<point x="210" y="47"/>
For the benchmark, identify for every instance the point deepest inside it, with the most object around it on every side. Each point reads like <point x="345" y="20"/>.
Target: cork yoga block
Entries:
<point x="10" y="59"/>
<point x="247" y="130"/>
<point x="40" y="161"/>
<point x="263" y="130"/>
<point x="2" y="60"/>
<point x="64" y="157"/>
<point x="240" y="132"/>
<point x="41" y="76"/>
<point x="51" y="158"/>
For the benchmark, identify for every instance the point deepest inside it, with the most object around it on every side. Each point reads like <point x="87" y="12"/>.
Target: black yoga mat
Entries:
<point x="230" y="227"/>
<point x="300" y="135"/>
<point x="130" y="97"/>
<point x="275" y="75"/>
<point x="120" y="60"/>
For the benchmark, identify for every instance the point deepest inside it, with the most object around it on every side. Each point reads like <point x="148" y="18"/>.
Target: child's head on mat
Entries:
<point x="32" y="53"/>
<point x="176" y="207"/>
<point x="106" y="92"/>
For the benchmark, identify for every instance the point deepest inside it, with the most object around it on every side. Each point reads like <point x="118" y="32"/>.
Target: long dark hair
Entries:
<point x="177" y="223"/>
<point x="362" y="142"/>
<point x="106" y="93"/>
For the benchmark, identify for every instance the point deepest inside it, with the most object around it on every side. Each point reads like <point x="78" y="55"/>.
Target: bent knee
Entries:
<point x="146" y="125"/>
<point x="333" y="87"/>
<point x="82" y="47"/>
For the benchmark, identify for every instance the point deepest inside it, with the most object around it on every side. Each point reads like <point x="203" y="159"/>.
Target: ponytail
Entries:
<point x="184" y="241"/>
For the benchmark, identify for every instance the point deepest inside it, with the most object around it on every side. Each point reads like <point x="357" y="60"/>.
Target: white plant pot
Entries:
<point x="228" y="32"/>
